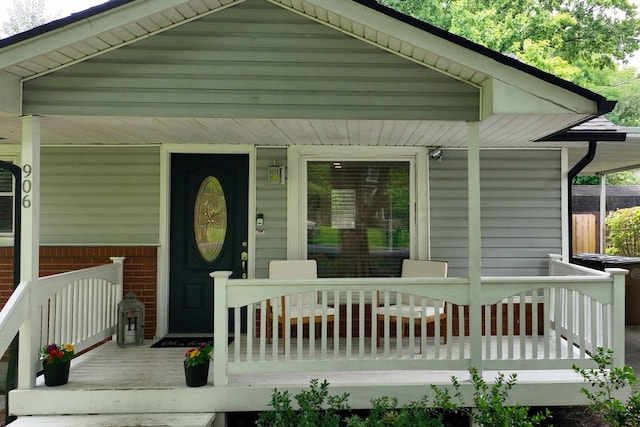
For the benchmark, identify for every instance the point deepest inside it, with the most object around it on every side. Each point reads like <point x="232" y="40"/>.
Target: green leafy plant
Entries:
<point x="489" y="407"/>
<point x="386" y="412"/>
<point x="199" y="355"/>
<point x="623" y="228"/>
<point x="606" y="380"/>
<point x="316" y="408"/>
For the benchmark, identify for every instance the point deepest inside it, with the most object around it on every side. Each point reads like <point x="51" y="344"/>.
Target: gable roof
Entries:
<point x="519" y="103"/>
<point x="169" y="14"/>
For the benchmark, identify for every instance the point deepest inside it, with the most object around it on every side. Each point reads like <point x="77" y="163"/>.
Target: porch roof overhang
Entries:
<point x="519" y="103"/>
<point x="612" y="155"/>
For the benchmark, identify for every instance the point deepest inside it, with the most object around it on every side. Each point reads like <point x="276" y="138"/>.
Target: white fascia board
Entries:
<point x="84" y="29"/>
<point x="9" y="94"/>
<point x="508" y="99"/>
<point x="510" y="76"/>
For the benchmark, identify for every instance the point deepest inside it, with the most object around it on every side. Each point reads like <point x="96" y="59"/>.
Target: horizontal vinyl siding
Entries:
<point x="271" y="201"/>
<point x="521" y="211"/>
<point x="253" y="60"/>
<point x="448" y="201"/>
<point x="100" y="195"/>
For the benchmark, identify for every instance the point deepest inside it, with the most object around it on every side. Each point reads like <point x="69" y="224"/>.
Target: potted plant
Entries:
<point x="196" y="365"/>
<point x="56" y="360"/>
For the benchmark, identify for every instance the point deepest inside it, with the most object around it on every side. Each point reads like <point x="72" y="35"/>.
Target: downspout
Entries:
<point x="582" y="163"/>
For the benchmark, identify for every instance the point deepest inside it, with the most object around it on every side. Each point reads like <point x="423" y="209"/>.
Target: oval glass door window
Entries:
<point x="210" y="219"/>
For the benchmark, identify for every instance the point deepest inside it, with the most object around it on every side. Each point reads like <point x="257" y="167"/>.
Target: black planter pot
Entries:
<point x="196" y="375"/>
<point x="56" y="374"/>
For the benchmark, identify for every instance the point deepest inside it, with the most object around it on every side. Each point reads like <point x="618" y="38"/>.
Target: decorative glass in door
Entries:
<point x="210" y="219"/>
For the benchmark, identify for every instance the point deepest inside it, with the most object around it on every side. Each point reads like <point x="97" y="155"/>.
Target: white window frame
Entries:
<point x="7" y="239"/>
<point x="419" y="218"/>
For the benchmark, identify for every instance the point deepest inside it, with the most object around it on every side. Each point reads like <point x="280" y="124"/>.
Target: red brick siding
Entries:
<point x="140" y="271"/>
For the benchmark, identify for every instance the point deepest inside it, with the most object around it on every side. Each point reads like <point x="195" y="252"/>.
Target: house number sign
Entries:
<point x="26" y="186"/>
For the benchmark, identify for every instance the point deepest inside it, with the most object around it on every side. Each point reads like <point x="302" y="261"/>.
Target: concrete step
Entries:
<point x="119" y="420"/>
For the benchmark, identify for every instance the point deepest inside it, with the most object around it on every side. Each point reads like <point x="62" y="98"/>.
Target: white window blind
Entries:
<point x="6" y="202"/>
<point x="358" y="217"/>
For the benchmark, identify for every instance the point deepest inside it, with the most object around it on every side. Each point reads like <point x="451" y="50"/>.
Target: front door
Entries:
<point x="209" y="202"/>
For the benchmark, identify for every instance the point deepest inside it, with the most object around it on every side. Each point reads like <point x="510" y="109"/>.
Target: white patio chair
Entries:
<point x="415" y="268"/>
<point x="310" y="310"/>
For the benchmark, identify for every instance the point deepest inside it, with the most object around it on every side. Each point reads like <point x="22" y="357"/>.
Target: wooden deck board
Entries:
<point x="111" y="367"/>
<point x="112" y="380"/>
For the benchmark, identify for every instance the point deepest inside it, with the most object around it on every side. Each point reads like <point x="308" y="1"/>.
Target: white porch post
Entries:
<point x="475" y="245"/>
<point x="30" y="253"/>
<point x="220" y="327"/>
<point x="120" y="261"/>
<point x="618" y="275"/>
<point x="602" y="214"/>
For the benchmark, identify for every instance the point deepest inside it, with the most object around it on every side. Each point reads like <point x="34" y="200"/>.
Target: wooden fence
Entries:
<point x="586" y="237"/>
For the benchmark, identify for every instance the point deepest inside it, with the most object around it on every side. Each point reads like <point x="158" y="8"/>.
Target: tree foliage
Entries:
<point x="623" y="227"/>
<point x="618" y="178"/>
<point x="596" y="33"/>
<point x="583" y="41"/>
<point x="24" y="15"/>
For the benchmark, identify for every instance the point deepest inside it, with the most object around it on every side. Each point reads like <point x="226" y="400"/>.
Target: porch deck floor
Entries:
<point x="110" y="367"/>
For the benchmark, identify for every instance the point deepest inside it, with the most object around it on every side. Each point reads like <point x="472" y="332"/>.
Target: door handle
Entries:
<point x="244" y="256"/>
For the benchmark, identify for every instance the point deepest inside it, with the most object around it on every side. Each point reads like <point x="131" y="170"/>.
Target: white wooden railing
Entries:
<point x="77" y="307"/>
<point x="550" y="322"/>
<point x="590" y="316"/>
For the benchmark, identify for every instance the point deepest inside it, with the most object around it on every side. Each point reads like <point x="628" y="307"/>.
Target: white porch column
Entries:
<point x="602" y="215"/>
<point x="220" y="327"/>
<point x="475" y="245"/>
<point x="618" y="275"/>
<point x="30" y="255"/>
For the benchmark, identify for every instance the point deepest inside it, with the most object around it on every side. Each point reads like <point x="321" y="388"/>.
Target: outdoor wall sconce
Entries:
<point x="277" y="174"/>
<point x="436" y="154"/>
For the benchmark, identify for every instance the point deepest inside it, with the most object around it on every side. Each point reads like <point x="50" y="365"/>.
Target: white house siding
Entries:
<point x="100" y="195"/>
<point x="271" y="202"/>
<point x="521" y="211"/>
<point x="254" y="60"/>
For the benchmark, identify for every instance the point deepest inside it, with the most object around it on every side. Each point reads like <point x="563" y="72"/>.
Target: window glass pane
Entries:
<point x="6" y="214"/>
<point x="210" y="219"/>
<point x="6" y="181"/>
<point x="6" y="201"/>
<point x="358" y="217"/>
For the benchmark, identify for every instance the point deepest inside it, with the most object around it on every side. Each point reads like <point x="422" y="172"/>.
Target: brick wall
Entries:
<point x="140" y="271"/>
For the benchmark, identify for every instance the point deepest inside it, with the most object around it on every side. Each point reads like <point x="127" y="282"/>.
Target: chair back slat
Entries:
<point x="423" y="268"/>
<point x="295" y="269"/>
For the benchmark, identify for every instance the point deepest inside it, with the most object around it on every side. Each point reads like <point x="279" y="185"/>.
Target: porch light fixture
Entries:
<point x="436" y="154"/>
<point x="130" y="321"/>
<point x="277" y="174"/>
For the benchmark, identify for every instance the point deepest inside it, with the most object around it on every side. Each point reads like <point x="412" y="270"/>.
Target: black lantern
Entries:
<point x="130" y="321"/>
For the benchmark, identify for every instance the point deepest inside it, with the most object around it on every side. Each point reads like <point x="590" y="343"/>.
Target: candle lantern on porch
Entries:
<point x="130" y="321"/>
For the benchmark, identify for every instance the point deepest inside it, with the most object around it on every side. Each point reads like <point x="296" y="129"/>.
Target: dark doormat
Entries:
<point x="168" y="342"/>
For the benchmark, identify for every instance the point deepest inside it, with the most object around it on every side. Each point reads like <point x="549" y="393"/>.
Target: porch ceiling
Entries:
<point x="126" y="130"/>
<point x="497" y="131"/>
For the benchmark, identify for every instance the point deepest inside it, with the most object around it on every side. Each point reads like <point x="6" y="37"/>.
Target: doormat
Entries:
<point x="169" y="342"/>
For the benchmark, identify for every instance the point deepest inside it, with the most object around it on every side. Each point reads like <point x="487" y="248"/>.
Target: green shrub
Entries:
<point x="489" y="403"/>
<point x="623" y="228"/>
<point x="317" y="408"/>
<point x="386" y="412"/>
<point x="606" y="380"/>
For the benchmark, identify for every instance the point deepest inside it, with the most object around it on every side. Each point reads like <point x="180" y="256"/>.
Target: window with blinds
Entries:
<point x="358" y="217"/>
<point x="6" y="202"/>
